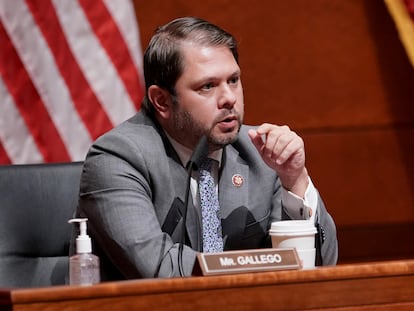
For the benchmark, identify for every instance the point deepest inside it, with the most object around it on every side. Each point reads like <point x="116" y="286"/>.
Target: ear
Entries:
<point x="161" y="100"/>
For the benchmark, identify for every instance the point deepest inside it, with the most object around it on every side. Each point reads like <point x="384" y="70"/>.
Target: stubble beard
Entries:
<point x="186" y="126"/>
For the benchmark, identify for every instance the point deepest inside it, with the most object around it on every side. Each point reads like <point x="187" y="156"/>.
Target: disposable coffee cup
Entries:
<point x="298" y="234"/>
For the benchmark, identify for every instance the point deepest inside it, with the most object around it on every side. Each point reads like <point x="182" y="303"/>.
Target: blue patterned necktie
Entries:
<point x="212" y="235"/>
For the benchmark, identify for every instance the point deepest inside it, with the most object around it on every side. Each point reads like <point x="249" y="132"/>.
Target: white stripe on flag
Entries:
<point x="124" y="16"/>
<point x="13" y="128"/>
<point x="40" y="65"/>
<point x="96" y="66"/>
<point x="51" y="82"/>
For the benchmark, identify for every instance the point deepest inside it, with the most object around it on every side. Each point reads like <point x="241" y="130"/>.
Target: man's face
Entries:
<point x="209" y="97"/>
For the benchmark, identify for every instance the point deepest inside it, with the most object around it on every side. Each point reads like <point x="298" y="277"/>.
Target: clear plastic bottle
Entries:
<point x="83" y="266"/>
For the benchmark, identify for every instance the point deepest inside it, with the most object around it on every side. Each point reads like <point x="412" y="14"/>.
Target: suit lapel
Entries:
<point x="179" y="176"/>
<point x="233" y="186"/>
<point x="233" y="194"/>
<point x="171" y="213"/>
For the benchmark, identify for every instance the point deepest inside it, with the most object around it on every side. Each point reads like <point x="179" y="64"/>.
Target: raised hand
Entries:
<point x="282" y="150"/>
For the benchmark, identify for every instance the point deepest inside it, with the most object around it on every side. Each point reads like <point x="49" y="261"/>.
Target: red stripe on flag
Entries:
<point x="113" y="42"/>
<point x="410" y="8"/>
<point x="29" y="103"/>
<point x="4" y="157"/>
<point x="85" y="100"/>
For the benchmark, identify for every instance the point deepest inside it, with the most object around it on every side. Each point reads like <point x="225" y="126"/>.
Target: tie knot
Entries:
<point x="206" y="164"/>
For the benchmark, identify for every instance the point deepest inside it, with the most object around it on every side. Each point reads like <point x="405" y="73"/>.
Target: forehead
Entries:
<point x="207" y="58"/>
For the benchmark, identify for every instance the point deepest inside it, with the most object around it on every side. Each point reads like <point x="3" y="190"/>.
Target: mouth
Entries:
<point x="229" y="118"/>
<point x="228" y="123"/>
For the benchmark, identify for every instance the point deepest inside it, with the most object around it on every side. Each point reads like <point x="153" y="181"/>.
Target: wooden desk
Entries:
<point x="368" y="286"/>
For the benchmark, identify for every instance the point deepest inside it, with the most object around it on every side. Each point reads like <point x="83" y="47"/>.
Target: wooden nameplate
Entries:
<point x="244" y="261"/>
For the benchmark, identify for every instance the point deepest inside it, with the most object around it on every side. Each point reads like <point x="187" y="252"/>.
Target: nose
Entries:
<point x="228" y="97"/>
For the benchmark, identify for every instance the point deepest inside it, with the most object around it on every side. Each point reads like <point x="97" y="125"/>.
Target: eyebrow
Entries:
<point x="209" y="78"/>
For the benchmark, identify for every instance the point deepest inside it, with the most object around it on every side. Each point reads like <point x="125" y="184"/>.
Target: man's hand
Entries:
<point x="283" y="150"/>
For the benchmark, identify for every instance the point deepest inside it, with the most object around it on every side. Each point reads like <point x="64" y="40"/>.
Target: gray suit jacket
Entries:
<point x="132" y="191"/>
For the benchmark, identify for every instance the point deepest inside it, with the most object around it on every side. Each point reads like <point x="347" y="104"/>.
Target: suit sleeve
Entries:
<point x="326" y="240"/>
<point x="116" y="197"/>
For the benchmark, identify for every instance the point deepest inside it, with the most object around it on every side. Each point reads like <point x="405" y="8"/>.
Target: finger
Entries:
<point x="265" y="128"/>
<point x="277" y="140"/>
<point x="284" y="144"/>
<point x="269" y="150"/>
<point x="256" y="139"/>
<point x="292" y="149"/>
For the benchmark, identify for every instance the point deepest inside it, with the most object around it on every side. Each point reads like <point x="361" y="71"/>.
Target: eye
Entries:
<point x="207" y="86"/>
<point x="234" y="80"/>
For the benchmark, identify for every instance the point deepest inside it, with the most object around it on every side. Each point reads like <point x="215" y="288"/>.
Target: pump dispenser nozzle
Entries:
<point x="83" y="241"/>
<point x="83" y="266"/>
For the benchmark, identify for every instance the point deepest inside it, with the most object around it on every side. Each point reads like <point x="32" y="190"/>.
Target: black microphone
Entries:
<point x="199" y="154"/>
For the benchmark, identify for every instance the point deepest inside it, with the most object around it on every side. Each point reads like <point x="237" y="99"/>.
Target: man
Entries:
<point x="134" y="179"/>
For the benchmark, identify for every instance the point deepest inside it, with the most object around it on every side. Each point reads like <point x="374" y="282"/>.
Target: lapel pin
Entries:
<point x="237" y="180"/>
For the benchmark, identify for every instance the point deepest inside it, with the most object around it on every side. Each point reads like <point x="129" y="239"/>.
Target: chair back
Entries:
<point x="36" y="202"/>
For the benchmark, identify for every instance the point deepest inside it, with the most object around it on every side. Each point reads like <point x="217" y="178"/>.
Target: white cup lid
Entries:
<point x="293" y="226"/>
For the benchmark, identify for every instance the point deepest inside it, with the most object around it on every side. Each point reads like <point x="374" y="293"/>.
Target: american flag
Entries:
<point x="70" y="70"/>
<point x="402" y="11"/>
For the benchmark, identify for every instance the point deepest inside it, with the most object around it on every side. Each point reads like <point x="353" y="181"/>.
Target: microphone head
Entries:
<point x="200" y="152"/>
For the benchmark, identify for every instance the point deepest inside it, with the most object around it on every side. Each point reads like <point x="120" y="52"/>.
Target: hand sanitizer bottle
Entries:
<point x="83" y="266"/>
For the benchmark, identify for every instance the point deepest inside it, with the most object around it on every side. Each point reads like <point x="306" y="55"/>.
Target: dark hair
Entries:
<point x="163" y="58"/>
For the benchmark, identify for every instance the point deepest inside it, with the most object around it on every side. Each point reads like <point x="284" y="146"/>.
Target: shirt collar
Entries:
<point x="185" y="153"/>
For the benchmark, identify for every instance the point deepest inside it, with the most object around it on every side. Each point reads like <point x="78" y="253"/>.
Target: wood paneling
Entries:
<point x="365" y="175"/>
<point x="336" y="72"/>
<point x="376" y="242"/>
<point x="309" y="64"/>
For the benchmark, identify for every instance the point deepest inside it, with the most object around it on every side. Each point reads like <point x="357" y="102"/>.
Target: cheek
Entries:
<point x="240" y="102"/>
<point x="201" y="107"/>
<point x="205" y="113"/>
